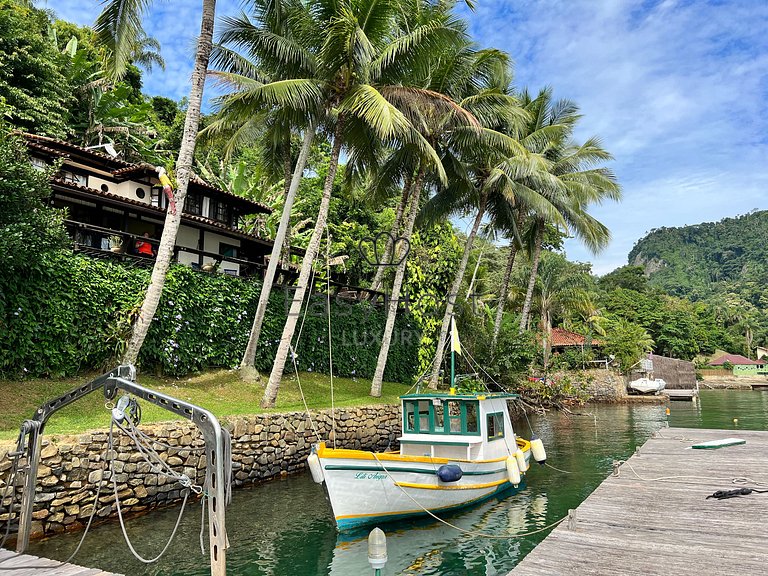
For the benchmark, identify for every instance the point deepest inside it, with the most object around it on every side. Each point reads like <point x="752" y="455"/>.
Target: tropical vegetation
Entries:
<point x="352" y="118"/>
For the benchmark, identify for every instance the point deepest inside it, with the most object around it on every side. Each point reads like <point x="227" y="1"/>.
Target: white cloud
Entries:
<point x="675" y="89"/>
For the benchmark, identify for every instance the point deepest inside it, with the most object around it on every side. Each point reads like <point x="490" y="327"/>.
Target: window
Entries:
<point x="104" y="188"/>
<point x="73" y="178"/>
<point x="140" y="193"/>
<point x="229" y="250"/>
<point x="193" y="204"/>
<point x="495" y="426"/>
<point x="440" y="416"/>
<point x="223" y="212"/>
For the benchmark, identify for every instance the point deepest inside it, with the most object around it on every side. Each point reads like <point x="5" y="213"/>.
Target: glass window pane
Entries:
<point x="471" y="408"/>
<point x="439" y="417"/>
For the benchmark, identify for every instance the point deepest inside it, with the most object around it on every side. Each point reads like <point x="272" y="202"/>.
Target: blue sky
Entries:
<point x="676" y="90"/>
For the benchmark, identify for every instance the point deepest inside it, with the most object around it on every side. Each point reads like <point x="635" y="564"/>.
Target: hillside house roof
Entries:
<point x="735" y="359"/>
<point x="121" y="170"/>
<point x="564" y="338"/>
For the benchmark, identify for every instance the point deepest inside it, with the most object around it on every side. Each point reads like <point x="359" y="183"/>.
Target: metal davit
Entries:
<point x="217" y="487"/>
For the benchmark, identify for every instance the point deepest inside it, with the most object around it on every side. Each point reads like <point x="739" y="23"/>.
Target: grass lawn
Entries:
<point x="222" y="392"/>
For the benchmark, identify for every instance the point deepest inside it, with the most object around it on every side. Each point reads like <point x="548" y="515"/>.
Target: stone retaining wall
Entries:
<point x="263" y="447"/>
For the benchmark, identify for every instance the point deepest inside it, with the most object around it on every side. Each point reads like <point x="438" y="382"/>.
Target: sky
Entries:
<point x="675" y="89"/>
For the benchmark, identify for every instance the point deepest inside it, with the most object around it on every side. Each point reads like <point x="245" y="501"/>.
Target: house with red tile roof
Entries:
<point x="742" y="366"/>
<point x="562" y="339"/>
<point x="117" y="209"/>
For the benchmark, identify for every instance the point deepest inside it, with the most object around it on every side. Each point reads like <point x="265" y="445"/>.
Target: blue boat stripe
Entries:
<point x="416" y="470"/>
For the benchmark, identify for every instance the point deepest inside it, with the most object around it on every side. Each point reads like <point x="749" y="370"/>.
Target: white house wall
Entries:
<point x="212" y="241"/>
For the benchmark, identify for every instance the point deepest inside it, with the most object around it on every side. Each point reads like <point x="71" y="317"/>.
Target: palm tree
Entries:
<point x="276" y="53"/>
<point x="117" y="28"/>
<point x="562" y="289"/>
<point x="357" y="57"/>
<point x="461" y="71"/>
<point x="491" y="183"/>
<point x="581" y="182"/>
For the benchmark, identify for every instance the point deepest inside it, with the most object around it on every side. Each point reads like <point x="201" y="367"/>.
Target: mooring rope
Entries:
<point x="738" y="480"/>
<point x="464" y="530"/>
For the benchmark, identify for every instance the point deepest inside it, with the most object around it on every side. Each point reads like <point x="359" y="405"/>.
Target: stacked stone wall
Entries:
<point x="263" y="447"/>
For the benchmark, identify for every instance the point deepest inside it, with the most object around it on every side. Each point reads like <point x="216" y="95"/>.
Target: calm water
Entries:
<point x="284" y="528"/>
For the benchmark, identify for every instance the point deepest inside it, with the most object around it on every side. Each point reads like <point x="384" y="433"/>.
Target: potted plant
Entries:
<point x="116" y="243"/>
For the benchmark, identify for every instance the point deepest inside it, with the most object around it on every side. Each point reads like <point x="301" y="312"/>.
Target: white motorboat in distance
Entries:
<point x="647" y="385"/>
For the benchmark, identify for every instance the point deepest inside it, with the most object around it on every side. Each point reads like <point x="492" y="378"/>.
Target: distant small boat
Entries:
<point x="647" y="386"/>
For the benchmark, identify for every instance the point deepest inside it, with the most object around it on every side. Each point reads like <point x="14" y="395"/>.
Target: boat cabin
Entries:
<point x="457" y="426"/>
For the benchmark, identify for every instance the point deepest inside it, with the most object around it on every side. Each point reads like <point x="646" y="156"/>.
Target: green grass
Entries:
<point x="222" y="392"/>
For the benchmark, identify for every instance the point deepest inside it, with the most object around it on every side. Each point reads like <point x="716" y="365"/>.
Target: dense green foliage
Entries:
<point x="722" y="265"/>
<point x="72" y="312"/>
<point x="32" y="83"/>
<point x="28" y="226"/>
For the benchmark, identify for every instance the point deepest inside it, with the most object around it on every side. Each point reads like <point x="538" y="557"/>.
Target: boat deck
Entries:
<point x="634" y="526"/>
<point x="26" y="565"/>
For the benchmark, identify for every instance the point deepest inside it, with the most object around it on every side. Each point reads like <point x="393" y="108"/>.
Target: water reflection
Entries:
<point x="284" y="528"/>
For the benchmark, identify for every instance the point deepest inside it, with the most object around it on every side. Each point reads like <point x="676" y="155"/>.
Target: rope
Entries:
<point x="463" y="530"/>
<point x="293" y="357"/>
<point x="548" y="465"/>
<point x="738" y="480"/>
<point x="120" y="511"/>
<point x="330" y="339"/>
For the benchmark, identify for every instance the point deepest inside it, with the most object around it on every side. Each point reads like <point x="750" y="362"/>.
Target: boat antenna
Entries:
<point x="330" y="339"/>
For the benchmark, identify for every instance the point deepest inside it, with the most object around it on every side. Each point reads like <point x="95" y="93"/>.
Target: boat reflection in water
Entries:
<point x="439" y="545"/>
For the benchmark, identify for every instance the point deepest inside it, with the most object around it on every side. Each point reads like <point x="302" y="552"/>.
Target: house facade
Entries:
<point x="117" y="209"/>
<point x="742" y="366"/>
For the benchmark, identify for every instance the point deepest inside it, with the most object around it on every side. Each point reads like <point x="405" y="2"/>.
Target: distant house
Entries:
<point x="562" y="339"/>
<point x="113" y="204"/>
<point x="761" y="352"/>
<point x="742" y="366"/>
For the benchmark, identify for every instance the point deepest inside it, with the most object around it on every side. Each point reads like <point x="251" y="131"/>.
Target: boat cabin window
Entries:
<point x="495" y="426"/>
<point x="440" y="416"/>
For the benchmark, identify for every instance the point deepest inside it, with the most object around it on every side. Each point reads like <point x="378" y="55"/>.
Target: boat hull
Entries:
<point x="366" y="488"/>
<point x="647" y="386"/>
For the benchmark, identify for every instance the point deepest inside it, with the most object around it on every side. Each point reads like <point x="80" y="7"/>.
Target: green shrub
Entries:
<point x="74" y="313"/>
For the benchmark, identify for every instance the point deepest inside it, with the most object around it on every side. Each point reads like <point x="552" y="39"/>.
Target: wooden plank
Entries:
<point x="654" y="518"/>
<point x="680" y="394"/>
<point x="27" y="565"/>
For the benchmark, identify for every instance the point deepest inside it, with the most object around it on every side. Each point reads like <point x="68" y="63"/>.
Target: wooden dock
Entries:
<point x="681" y="394"/>
<point x="25" y="565"/>
<point x="637" y="527"/>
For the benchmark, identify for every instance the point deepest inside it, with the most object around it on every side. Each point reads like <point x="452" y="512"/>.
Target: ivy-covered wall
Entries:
<point x="72" y="312"/>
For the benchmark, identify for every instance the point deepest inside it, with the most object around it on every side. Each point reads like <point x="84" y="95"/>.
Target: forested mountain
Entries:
<point x="721" y="264"/>
<point x="704" y="259"/>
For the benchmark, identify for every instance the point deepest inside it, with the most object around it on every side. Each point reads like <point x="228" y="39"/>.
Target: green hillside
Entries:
<point x="710" y="258"/>
<point x="723" y="264"/>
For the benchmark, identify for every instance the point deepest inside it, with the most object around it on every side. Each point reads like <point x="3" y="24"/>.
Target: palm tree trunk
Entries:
<point x="534" y="269"/>
<point x="183" y="173"/>
<point x="451" y="301"/>
<point x="285" y="255"/>
<point x="389" y="326"/>
<point x="248" y="364"/>
<point x="378" y="278"/>
<point x="270" y="394"/>
<point x="504" y="291"/>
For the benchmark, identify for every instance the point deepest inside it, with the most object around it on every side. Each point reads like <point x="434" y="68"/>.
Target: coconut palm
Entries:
<point x="357" y="57"/>
<point x="495" y="180"/>
<point x="454" y="123"/>
<point x="117" y="28"/>
<point x="573" y="167"/>
<point x="273" y="52"/>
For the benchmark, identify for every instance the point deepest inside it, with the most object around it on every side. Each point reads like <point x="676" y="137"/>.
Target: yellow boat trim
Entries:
<point x="324" y="452"/>
<point x="459" y="487"/>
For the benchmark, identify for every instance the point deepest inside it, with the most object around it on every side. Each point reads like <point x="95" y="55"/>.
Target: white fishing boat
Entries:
<point x="455" y="450"/>
<point x="647" y="385"/>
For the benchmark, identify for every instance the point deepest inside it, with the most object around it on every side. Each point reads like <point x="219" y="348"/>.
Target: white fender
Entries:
<point x="513" y="471"/>
<point x="537" y="449"/>
<point x="522" y="463"/>
<point x="315" y="468"/>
